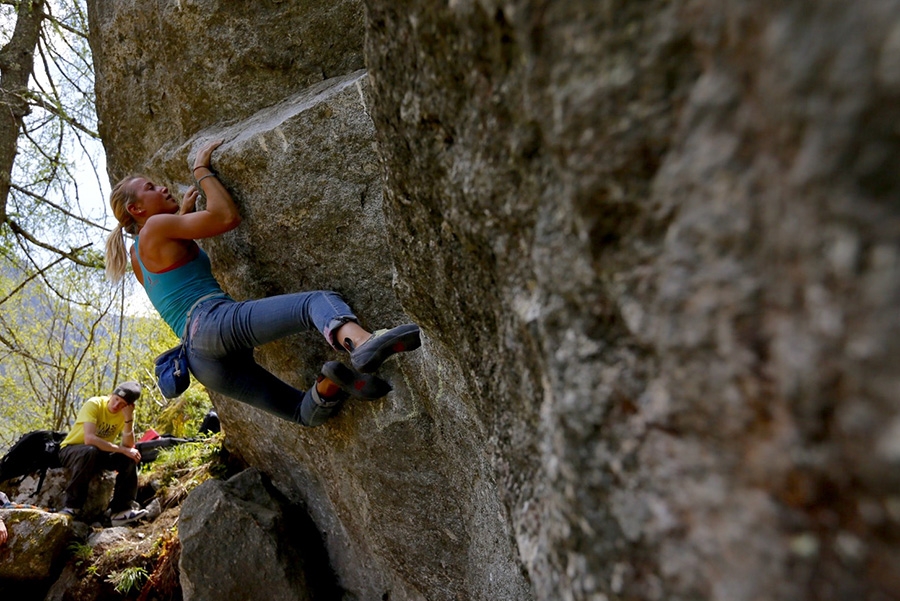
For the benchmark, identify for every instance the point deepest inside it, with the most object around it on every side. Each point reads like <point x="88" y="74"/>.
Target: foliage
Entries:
<point x="180" y="469"/>
<point x="129" y="579"/>
<point x="55" y="354"/>
<point x="182" y="416"/>
<point x="59" y="353"/>
<point x="80" y="552"/>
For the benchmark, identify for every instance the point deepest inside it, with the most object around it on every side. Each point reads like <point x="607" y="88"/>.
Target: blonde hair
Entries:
<point x="117" y="257"/>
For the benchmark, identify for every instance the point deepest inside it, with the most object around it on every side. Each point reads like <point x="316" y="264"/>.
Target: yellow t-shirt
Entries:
<point x="96" y="411"/>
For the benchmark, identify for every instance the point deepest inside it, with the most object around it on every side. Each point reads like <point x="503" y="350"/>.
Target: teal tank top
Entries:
<point x="174" y="291"/>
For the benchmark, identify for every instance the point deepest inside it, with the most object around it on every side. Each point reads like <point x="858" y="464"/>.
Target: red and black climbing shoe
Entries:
<point x="354" y="383"/>
<point x="383" y="344"/>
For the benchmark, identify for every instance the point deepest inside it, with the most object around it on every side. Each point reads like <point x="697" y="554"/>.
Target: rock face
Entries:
<point x="654" y="248"/>
<point x="234" y="540"/>
<point x="190" y="72"/>
<point x="53" y="492"/>
<point x="36" y="540"/>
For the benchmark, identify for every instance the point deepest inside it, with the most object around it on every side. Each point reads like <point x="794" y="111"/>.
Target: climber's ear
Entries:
<point x="136" y="209"/>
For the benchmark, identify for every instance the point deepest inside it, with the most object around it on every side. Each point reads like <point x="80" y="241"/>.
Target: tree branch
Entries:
<point x="14" y="348"/>
<point x="49" y="202"/>
<point x="49" y="17"/>
<point x="36" y="100"/>
<point x="29" y="278"/>
<point x="72" y="255"/>
<point x="47" y="283"/>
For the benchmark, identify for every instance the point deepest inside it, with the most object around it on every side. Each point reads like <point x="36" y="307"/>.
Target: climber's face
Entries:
<point x="150" y="199"/>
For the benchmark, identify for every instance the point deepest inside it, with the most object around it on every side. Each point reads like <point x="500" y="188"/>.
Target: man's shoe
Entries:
<point x="69" y="511"/>
<point x="383" y="344"/>
<point x="128" y="516"/>
<point x="354" y="383"/>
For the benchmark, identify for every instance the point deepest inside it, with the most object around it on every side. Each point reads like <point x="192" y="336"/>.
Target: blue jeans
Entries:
<point x="222" y="334"/>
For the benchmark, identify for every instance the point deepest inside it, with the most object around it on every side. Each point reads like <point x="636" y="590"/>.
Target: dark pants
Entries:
<point x="84" y="461"/>
<point x="223" y="333"/>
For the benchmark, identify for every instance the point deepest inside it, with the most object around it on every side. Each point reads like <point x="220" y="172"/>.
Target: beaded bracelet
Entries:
<point x="201" y="167"/>
<point x="204" y="177"/>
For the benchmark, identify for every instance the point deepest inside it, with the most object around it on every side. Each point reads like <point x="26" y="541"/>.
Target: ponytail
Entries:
<point x="116" y="256"/>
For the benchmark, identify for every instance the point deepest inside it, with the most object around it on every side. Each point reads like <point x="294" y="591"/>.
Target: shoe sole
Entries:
<point x="401" y="339"/>
<point x="138" y="518"/>
<point x="356" y="384"/>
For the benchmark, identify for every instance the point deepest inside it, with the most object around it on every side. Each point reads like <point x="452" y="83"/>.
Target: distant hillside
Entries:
<point x="67" y="353"/>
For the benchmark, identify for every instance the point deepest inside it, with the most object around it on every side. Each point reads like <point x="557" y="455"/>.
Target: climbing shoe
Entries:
<point x="128" y="516"/>
<point x="354" y="383"/>
<point x="369" y="356"/>
<point x="69" y="511"/>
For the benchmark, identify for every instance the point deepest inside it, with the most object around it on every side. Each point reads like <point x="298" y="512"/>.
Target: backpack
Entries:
<point x="35" y="451"/>
<point x="150" y="448"/>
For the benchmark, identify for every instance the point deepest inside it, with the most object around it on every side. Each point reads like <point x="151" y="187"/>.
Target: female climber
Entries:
<point x="220" y="333"/>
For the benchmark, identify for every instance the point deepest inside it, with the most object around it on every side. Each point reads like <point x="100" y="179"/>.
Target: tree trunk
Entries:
<point x="16" y="66"/>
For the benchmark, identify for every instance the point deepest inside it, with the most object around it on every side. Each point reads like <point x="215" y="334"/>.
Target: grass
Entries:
<point x="128" y="580"/>
<point x="81" y="552"/>
<point x="180" y="469"/>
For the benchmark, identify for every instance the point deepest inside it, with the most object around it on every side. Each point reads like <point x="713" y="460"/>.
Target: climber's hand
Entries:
<point x="205" y="153"/>
<point x="189" y="201"/>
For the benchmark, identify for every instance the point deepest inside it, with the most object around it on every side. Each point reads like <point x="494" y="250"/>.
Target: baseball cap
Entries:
<point x="130" y="391"/>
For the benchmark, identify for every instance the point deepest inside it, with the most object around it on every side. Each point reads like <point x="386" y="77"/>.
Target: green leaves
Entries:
<point x="128" y="580"/>
<point x="63" y="339"/>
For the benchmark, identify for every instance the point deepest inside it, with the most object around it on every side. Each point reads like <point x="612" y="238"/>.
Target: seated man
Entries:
<point x="89" y="449"/>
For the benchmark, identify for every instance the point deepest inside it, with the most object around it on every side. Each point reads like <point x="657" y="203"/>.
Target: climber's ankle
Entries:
<point x="326" y="388"/>
<point x="351" y="335"/>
